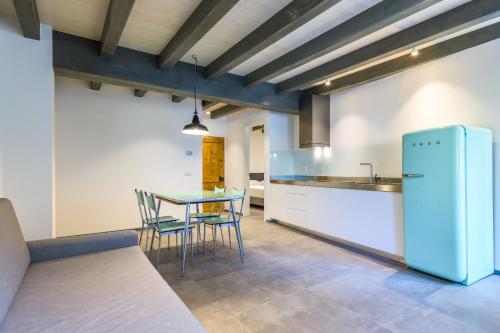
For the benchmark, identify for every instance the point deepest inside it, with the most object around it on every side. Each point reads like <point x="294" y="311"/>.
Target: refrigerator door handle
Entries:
<point x="412" y="175"/>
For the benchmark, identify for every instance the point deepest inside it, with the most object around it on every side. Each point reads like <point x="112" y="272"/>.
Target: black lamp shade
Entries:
<point x="195" y="127"/>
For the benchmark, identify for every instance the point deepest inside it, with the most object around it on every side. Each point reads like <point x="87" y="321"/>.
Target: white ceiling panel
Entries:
<point x="241" y="20"/>
<point x="83" y="18"/>
<point x="421" y="16"/>
<point x="152" y="23"/>
<point x="332" y="17"/>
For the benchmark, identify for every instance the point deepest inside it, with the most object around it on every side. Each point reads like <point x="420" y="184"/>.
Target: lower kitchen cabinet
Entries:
<point x="368" y="218"/>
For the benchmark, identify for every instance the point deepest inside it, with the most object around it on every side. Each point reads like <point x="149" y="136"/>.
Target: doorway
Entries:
<point x="257" y="166"/>
<point x="213" y="165"/>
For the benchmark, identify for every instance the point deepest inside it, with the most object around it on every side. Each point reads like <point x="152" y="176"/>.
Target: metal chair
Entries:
<point x="146" y="221"/>
<point x="198" y="217"/>
<point x="165" y="228"/>
<point x="232" y="220"/>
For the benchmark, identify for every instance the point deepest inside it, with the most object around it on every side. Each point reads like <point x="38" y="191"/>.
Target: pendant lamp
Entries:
<point x="195" y="127"/>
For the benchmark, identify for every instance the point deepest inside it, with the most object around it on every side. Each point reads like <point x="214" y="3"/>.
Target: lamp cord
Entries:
<point x="194" y="82"/>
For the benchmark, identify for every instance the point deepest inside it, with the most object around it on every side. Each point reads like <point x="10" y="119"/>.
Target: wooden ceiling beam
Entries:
<point x="400" y="64"/>
<point x="213" y="106"/>
<point x="464" y="16"/>
<point x="27" y="15"/>
<point x="95" y="85"/>
<point x="225" y="111"/>
<point x="281" y="24"/>
<point x="140" y="92"/>
<point x="177" y="99"/>
<point x="76" y="57"/>
<point x="116" y="18"/>
<point x="371" y="20"/>
<point x="208" y="104"/>
<point x="204" y="17"/>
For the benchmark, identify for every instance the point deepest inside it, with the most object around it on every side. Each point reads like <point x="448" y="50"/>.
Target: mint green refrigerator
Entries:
<point x="448" y="202"/>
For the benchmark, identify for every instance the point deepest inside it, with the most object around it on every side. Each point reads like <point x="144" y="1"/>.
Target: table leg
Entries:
<point x="184" y="240"/>
<point x="198" y="229"/>
<point x="238" y="234"/>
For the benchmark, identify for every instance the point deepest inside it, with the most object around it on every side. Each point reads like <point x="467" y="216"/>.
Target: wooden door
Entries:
<point x="213" y="165"/>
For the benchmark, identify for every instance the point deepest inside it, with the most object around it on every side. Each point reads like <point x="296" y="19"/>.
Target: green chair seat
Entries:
<point x="173" y="226"/>
<point x="216" y="220"/>
<point x="202" y="215"/>
<point x="166" y="218"/>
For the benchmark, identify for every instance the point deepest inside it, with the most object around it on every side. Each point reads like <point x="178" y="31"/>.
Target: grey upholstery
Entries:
<point x="50" y="249"/>
<point x="111" y="291"/>
<point x="98" y="283"/>
<point x="14" y="256"/>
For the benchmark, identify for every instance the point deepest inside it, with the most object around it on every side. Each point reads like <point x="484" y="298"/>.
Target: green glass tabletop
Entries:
<point x="195" y="196"/>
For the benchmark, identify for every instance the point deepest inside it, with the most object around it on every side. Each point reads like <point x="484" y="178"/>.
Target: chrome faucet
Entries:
<point x="371" y="171"/>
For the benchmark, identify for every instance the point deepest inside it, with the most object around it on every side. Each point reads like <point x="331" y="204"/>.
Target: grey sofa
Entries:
<point x="92" y="283"/>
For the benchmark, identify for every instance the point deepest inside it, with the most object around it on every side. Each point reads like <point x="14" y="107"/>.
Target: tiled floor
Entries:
<point x="292" y="282"/>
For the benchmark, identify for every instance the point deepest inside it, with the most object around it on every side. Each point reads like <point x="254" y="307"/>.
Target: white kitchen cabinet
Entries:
<point x="369" y="218"/>
<point x="304" y="206"/>
<point x="276" y="202"/>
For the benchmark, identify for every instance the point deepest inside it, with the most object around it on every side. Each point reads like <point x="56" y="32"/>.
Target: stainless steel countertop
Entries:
<point x="351" y="183"/>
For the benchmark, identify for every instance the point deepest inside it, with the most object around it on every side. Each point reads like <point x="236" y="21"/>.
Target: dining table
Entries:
<point x="197" y="197"/>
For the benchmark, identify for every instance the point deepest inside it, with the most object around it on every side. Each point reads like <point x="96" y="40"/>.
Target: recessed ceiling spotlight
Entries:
<point x="207" y="112"/>
<point x="327" y="83"/>
<point x="414" y="52"/>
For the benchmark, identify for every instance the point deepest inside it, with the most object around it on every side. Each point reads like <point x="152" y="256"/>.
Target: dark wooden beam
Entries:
<point x="177" y="99"/>
<point x="464" y="16"/>
<point x="374" y="18"/>
<point x="116" y="18"/>
<point x="27" y="15"/>
<point x="205" y="103"/>
<point x="140" y="92"/>
<point x="285" y="21"/>
<point x="212" y="106"/>
<point x="400" y="64"/>
<point x="76" y="57"/>
<point x="204" y="17"/>
<point x="95" y="85"/>
<point x="225" y="110"/>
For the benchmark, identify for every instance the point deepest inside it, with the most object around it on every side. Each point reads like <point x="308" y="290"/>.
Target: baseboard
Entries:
<point x="348" y="245"/>
<point x="497" y="272"/>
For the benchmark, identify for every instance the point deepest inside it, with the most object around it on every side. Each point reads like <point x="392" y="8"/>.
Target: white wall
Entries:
<point x="257" y="157"/>
<point x="367" y="122"/>
<point x="26" y="127"/>
<point x="237" y="150"/>
<point x="108" y="142"/>
<point x="278" y="135"/>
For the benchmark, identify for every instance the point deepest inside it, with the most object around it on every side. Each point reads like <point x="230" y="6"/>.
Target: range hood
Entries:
<point x="314" y="121"/>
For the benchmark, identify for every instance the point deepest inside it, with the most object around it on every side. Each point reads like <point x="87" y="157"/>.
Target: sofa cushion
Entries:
<point x="14" y="256"/>
<point x="111" y="291"/>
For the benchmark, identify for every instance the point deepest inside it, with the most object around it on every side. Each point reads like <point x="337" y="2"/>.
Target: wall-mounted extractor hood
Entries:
<point x="314" y="121"/>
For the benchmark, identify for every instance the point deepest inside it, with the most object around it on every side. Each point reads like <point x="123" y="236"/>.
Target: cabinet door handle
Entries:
<point x="412" y="175"/>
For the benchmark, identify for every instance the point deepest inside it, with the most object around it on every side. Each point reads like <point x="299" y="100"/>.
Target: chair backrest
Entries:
<point x="139" y="195"/>
<point x="218" y="190"/>
<point x="14" y="256"/>
<point x="153" y="208"/>
<point x="239" y="193"/>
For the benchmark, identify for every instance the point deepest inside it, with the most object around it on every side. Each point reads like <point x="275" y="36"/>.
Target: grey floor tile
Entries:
<point x="292" y="282"/>
<point x="477" y="304"/>
<point x="427" y="320"/>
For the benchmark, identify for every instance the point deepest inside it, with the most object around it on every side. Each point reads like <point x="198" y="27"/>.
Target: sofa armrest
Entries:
<point x="50" y="249"/>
